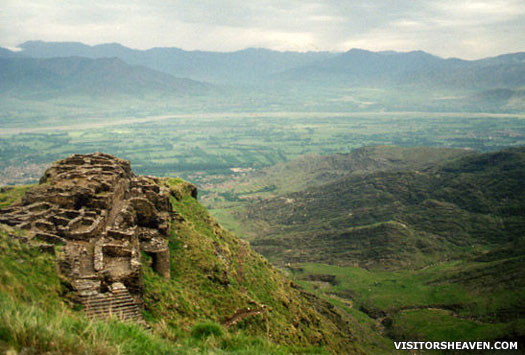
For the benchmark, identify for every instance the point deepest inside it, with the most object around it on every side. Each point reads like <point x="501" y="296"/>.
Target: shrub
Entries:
<point x="204" y="330"/>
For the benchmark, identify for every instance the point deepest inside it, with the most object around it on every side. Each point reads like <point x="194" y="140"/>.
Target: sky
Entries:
<point x="449" y="28"/>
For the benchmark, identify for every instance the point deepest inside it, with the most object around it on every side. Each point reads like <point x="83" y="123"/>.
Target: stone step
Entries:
<point x="106" y="307"/>
<point x="109" y="304"/>
<point x="118" y="303"/>
<point x="119" y="315"/>
<point x="113" y="302"/>
<point x="115" y="312"/>
<point x="123" y="312"/>
<point x="110" y="309"/>
<point x="118" y="312"/>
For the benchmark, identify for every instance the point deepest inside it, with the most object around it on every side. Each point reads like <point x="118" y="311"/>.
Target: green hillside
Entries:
<point x="315" y="170"/>
<point x="381" y="208"/>
<point x="433" y="236"/>
<point x="222" y="297"/>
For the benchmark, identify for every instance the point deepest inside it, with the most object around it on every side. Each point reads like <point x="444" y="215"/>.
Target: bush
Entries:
<point x="204" y="330"/>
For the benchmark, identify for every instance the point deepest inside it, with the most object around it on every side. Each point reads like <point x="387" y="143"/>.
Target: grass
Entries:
<point x="439" y="325"/>
<point x="205" y="330"/>
<point x="36" y="316"/>
<point x="444" y="302"/>
<point x="391" y="290"/>
<point x="12" y="194"/>
<point x="25" y="328"/>
<point x="229" y="222"/>
<point x="28" y="328"/>
<point x="216" y="276"/>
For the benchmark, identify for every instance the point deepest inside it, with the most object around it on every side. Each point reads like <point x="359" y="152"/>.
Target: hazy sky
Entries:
<point x="466" y="29"/>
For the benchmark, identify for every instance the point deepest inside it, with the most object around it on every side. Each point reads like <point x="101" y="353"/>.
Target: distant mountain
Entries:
<point x="71" y="76"/>
<point x="245" y="66"/>
<point x="511" y="58"/>
<point x="365" y="68"/>
<point x="6" y="53"/>
<point x="356" y="67"/>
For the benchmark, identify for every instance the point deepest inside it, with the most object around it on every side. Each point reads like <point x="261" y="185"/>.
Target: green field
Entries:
<point x="424" y="304"/>
<point x="204" y="147"/>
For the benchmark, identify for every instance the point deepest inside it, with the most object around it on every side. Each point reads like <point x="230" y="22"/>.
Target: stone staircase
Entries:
<point x="118" y="303"/>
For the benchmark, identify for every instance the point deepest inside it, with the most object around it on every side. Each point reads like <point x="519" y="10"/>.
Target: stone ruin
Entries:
<point x="104" y="216"/>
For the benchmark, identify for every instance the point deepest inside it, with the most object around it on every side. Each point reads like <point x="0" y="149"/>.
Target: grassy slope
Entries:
<point x="448" y="301"/>
<point x="228" y="201"/>
<point x="389" y="219"/>
<point x="10" y="195"/>
<point x="316" y="170"/>
<point x="441" y="245"/>
<point x="214" y="276"/>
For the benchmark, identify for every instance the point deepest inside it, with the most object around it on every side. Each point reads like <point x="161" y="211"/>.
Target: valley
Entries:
<point x="204" y="147"/>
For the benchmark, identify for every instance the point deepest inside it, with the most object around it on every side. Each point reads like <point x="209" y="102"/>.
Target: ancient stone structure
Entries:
<point x="104" y="216"/>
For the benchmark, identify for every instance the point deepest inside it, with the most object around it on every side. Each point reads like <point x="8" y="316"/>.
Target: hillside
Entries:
<point x="314" y="170"/>
<point x="92" y="232"/>
<point x="31" y="78"/>
<point x="230" y="199"/>
<point x="6" y="53"/>
<point x="410" y="241"/>
<point x="434" y="200"/>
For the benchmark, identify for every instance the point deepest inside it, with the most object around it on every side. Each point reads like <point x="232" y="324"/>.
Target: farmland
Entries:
<point x="205" y="147"/>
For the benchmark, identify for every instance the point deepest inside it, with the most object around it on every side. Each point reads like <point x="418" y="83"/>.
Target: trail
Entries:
<point x="241" y="314"/>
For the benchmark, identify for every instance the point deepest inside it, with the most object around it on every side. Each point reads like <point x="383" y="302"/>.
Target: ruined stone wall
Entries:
<point x="104" y="215"/>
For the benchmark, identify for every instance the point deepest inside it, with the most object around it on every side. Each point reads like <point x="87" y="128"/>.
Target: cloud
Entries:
<point x="468" y="29"/>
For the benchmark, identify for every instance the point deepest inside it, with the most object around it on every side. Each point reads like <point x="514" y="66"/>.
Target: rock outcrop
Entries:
<point x="104" y="216"/>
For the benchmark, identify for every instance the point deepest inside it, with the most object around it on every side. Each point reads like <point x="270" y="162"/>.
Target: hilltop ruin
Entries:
<point x="104" y="216"/>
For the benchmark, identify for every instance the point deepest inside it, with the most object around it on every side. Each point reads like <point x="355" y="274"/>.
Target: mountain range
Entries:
<point x="365" y="68"/>
<point x="356" y="67"/>
<point x="245" y="66"/>
<point x="339" y="204"/>
<point x="70" y="76"/>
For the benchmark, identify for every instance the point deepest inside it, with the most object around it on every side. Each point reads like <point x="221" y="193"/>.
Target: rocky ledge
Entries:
<point x="104" y="216"/>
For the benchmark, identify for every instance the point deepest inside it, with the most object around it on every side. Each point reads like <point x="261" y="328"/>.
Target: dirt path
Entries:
<point x="241" y="314"/>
